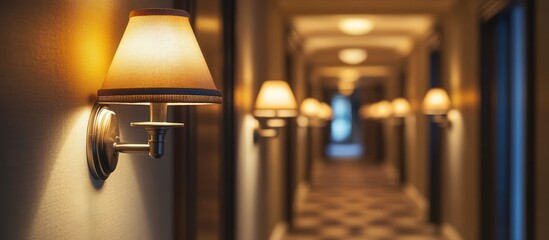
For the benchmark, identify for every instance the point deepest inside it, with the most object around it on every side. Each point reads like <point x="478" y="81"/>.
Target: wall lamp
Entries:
<point x="379" y="110"/>
<point x="314" y="113"/>
<point x="158" y="63"/>
<point x="274" y="104"/>
<point x="437" y="104"/>
<point x="401" y="108"/>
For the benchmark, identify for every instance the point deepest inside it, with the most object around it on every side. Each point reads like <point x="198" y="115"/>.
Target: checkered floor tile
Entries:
<point x="358" y="201"/>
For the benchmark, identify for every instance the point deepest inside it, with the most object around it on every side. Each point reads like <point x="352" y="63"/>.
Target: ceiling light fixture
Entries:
<point x="352" y="55"/>
<point x="356" y="26"/>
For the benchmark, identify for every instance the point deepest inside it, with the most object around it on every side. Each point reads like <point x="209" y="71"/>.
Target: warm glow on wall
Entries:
<point x="275" y="100"/>
<point x="309" y="107"/>
<point x="352" y="55"/>
<point x="356" y="26"/>
<point x="401" y="107"/>
<point x="436" y="102"/>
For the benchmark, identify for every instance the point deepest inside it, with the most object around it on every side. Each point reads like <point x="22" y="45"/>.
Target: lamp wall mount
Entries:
<point x="268" y="127"/>
<point x="104" y="144"/>
<point x="442" y="120"/>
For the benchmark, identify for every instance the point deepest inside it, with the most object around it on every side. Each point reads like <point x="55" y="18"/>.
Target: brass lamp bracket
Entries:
<point x="103" y="138"/>
<point x="265" y="128"/>
<point x="442" y="120"/>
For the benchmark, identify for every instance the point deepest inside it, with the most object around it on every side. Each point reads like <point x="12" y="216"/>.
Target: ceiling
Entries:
<point x="387" y="44"/>
<point x="316" y="7"/>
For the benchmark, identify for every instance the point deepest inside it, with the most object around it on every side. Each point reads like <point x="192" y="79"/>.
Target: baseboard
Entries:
<point x="416" y="196"/>
<point x="279" y="231"/>
<point x="450" y="233"/>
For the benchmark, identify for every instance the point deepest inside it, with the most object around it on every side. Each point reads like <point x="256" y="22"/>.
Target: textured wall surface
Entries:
<point x="55" y="55"/>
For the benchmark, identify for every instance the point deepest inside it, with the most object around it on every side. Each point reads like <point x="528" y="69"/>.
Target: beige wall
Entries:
<point x="461" y="163"/>
<point x="542" y="116"/>
<point x="260" y="56"/>
<point x="55" y="55"/>
<point x="248" y="164"/>
<point x="416" y="124"/>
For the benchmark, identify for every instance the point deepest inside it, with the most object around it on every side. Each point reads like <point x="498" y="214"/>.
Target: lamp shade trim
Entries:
<point x="159" y="91"/>
<point x="169" y="95"/>
<point x="159" y="12"/>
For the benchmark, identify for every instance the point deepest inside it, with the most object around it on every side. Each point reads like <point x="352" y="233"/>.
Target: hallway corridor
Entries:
<point x="350" y="200"/>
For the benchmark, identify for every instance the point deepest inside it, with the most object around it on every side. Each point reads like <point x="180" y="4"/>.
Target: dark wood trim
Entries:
<point x="434" y="168"/>
<point x="184" y="176"/>
<point x="435" y="173"/>
<point x="401" y="135"/>
<point x="487" y="146"/>
<point x="291" y="141"/>
<point x="309" y="156"/>
<point x="290" y="174"/>
<point x="184" y="166"/>
<point x="228" y="208"/>
<point x="531" y="224"/>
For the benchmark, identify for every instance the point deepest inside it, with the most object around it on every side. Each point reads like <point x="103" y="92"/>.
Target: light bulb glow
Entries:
<point x="353" y="55"/>
<point x="275" y="99"/>
<point x="401" y="107"/>
<point x="436" y="102"/>
<point x="309" y="107"/>
<point x="356" y="26"/>
<point x="384" y="109"/>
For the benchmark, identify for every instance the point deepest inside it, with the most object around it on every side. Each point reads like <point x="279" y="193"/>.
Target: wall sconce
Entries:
<point x="309" y="107"/>
<point x="275" y="102"/>
<point x="157" y="63"/>
<point x="356" y="26"/>
<point x="401" y="108"/>
<point x="437" y="104"/>
<point x="379" y="110"/>
<point x="325" y="112"/>
<point x="314" y="113"/>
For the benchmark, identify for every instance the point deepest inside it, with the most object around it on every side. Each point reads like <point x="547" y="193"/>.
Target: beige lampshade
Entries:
<point x="382" y="109"/>
<point x="401" y="107"/>
<point x="159" y="60"/>
<point x="436" y="102"/>
<point x="275" y="100"/>
<point x="309" y="107"/>
<point x="325" y="112"/>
